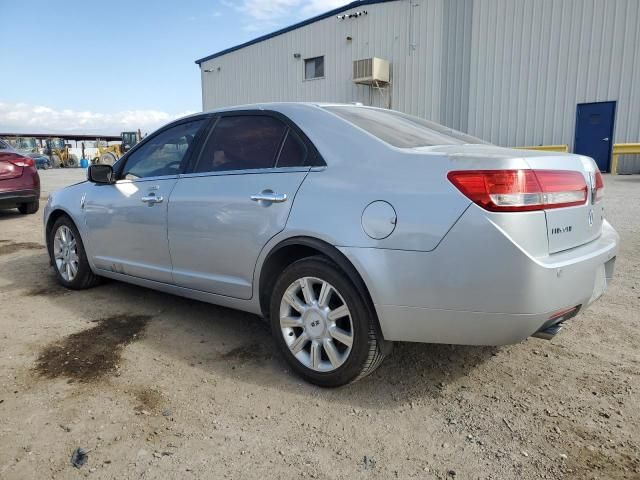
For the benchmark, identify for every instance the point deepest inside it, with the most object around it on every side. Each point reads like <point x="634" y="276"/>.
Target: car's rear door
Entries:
<point x="127" y="221"/>
<point x="237" y="197"/>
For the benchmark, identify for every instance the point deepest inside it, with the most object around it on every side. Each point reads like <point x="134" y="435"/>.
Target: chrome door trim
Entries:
<point x="252" y="171"/>
<point x="152" y="199"/>
<point x="270" y="197"/>
<point x="147" y="179"/>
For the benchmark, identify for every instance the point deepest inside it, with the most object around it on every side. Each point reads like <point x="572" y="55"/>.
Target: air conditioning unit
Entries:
<point x="370" y="71"/>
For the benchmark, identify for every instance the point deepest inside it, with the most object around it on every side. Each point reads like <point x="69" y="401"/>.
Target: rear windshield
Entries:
<point x="401" y="130"/>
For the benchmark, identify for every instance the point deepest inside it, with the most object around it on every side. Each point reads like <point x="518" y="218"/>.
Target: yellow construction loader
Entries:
<point x="109" y="154"/>
<point x="59" y="153"/>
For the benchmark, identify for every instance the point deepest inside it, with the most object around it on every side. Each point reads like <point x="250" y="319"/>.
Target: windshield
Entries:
<point x="56" y="143"/>
<point x="4" y="146"/>
<point x="401" y="130"/>
<point x="129" y="137"/>
<point x="27" y="143"/>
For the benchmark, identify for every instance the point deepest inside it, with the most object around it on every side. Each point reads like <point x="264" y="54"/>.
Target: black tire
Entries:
<point x="85" y="278"/>
<point x="368" y="349"/>
<point x="72" y="161"/>
<point x="29" y="208"/>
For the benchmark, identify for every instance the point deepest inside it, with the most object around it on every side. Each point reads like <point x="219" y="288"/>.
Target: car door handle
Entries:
<point x="152" y="199"/>
<point x="269" y="197"/>
<point x="605" y="139"/>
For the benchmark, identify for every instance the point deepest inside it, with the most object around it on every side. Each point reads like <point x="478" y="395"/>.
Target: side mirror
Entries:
<point x="101" y="174"/>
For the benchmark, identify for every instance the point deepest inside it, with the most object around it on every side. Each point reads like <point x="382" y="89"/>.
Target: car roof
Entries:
<point x="277" y="106"/>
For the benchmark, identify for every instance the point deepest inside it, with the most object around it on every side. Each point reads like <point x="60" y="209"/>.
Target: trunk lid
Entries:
<point x="571" y="227"/>
<point x="8" y="168"/>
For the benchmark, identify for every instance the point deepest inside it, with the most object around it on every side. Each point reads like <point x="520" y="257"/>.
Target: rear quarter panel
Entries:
<point x="361" y="169"/>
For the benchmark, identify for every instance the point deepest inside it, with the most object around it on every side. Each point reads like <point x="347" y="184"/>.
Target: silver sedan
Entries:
<point x="348" y="227"/>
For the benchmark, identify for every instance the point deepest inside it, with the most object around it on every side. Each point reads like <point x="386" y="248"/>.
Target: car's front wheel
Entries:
<point x="69" y="257"/>
<point x="323" y="325"/>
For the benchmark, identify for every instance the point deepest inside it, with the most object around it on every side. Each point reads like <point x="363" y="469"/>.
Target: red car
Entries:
<point x="19" y="181"/>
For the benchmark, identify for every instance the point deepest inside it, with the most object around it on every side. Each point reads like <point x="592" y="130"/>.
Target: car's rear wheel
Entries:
<point x="29" y="208"/>
<point x="323" y="325"/>
<point x="69" y="257"/>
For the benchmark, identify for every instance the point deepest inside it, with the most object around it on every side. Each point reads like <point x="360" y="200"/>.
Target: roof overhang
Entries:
<point x="66" y="136"/>
<point x="322" y="16"/>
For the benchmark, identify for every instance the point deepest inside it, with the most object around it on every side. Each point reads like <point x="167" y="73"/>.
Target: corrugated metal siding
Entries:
<point x="509" y="71"/>
<point x="456" y="41"/>
<point x="267" y="71"/>
<point x="533" y="61"/>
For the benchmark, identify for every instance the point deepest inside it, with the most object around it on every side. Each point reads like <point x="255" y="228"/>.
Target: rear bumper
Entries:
<point x="478" y="287"/>
<point x="13" y="199"/>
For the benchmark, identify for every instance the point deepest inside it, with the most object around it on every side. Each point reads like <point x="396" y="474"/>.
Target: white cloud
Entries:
<point x="26" y="118"/>
<point x="261" y="14"/>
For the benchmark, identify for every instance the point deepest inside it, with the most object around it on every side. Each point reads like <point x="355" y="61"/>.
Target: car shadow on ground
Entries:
<point x="237" y="345"/>
<point x="10" y="214"/>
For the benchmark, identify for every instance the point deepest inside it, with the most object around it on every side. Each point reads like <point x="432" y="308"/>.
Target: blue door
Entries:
<point x="594" y="132"/>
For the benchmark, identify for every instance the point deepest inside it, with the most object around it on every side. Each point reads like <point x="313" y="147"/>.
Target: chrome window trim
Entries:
<point x="253" y="171"/>
<point x="146" y="179"/>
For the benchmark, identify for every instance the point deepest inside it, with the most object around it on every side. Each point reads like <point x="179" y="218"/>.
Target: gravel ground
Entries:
<point x="163" y="387"/>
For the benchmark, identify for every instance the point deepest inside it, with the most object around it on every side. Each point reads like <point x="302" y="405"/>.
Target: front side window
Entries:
<point x="402" y="130"/>
<point x="243" y="142"/>
<point x="162" y="154"/>
<point x="313" y="68"/>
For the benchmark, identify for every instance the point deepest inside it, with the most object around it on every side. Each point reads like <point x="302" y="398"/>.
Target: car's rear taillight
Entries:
<point x="599" y="186"/>
<point x="20" y="161"/>
<point x="11" y="165"/>
<point x="521" y="190"/>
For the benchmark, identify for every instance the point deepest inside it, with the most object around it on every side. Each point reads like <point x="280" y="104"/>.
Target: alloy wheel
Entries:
<point x="316" y="324"/>
<point x="65" y="253"/>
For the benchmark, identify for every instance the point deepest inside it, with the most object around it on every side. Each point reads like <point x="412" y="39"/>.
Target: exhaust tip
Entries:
<point x="549" y="332"/>
<point x="553" y="326"/>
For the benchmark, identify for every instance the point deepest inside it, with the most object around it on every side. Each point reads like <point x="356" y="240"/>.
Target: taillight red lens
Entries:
<point x="599" y="186"/>
<point x="521" y="190"/>
<point x="20" y="161"/>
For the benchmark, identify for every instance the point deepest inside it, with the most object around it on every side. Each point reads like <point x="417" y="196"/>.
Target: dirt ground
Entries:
<point x="156" y="386"/>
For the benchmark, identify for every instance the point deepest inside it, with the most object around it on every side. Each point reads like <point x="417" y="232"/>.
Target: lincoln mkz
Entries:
<point x="347" y="227"/>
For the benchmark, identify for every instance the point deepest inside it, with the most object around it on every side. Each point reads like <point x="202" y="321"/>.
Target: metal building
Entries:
<point x="514" y="72"/>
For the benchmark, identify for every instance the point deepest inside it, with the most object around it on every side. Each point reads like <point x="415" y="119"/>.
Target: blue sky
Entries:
<point x="70" y="65"/>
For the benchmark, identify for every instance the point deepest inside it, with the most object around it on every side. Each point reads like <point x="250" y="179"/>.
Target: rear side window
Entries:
<point x="401" y="130"/>
<point x="293" y="153"/>
<point x="243" y="142"/>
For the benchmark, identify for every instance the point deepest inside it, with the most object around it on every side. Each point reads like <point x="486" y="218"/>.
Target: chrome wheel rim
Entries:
<point x="316" y="324"/>
<point x="65" y="253"/>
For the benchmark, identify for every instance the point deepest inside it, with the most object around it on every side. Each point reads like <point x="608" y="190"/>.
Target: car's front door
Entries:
<point x="127" y="221"/>
<point x="236" y="198"/>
